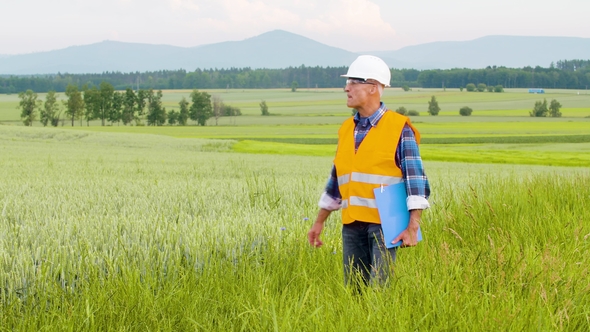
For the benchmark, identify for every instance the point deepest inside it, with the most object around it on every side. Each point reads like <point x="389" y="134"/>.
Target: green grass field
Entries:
<point x="327" y="103"/>
<point x="136" y="228"/>
<point x="142" y="232"/>
<point x="306" y="123"/>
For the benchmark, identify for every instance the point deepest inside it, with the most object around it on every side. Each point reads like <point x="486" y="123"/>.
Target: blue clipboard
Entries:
<point x="393" y="211"/>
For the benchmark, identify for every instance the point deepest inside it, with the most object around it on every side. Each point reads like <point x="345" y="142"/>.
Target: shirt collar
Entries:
<point x="374" y="118"/>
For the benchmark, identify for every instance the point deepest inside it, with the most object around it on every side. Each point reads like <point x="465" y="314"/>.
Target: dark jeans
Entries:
<point x="366" y="258"/>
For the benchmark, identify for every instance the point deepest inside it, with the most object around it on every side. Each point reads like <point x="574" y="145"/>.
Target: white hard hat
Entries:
<point x="369" y="67"/>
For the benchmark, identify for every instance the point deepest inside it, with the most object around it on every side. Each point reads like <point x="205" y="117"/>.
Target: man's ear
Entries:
<point x="374" y="89"/>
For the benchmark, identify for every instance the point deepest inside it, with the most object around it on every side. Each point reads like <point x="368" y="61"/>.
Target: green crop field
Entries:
<point x="179" y="228"/>
<point x="324" y="104"/>
<point x="306" y="123"/>
<point x="143" y="232"/>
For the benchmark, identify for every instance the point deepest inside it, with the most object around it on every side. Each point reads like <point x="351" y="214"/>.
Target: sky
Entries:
<point x="28" y="26"/>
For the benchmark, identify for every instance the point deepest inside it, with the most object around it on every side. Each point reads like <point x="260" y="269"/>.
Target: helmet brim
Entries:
<point x="364" y="78"/>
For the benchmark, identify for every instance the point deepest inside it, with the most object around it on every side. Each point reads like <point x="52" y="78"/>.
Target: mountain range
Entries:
<point x="281" y="49"/>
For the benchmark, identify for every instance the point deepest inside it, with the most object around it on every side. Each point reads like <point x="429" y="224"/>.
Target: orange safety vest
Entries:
<point x="371" y="166"/>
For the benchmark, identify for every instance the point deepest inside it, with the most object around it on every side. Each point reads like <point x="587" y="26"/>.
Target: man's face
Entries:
<point x="358" y="92"/>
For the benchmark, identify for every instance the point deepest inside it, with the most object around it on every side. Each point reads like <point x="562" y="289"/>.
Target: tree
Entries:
<point x="294" y="86"/>
<point x="231" y="110"/>
<point x="156" y="115"/>
<point x="56" y="118"/>
<point x="402" y="110"/>
<point x="540" y="109"/>
<point x="50" y="109"/>
<point x="115" y="113"/>
<point x="406" y="88"/>
<point x="75" y="103"/>
<point x="28" y="105"/>
<point x="141" y="99"/>
<point x="91" y="103"/>
<point x="433" y="108"/>
<point x="183" y="113"/>
<point x="490" y="88"/>
<point x="129" y="106"/>
<point x="105" y="102"/>
<point x="554" y="108"/>
<point x="498" y="88"/>
<point x="217" y="108"/>
<point x="266" y="81"/>
<point x="264" y="108"/>
<point x="413" y="113"/>
<point x="470" y="87"/>
<point x="200" y="109"/>
<point x="172" y="117"/>
<point x="465" y="111"/>
<point x="481" y="87"/>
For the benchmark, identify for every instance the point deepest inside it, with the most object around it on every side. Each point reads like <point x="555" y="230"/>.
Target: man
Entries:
<point x="375" y="147"/>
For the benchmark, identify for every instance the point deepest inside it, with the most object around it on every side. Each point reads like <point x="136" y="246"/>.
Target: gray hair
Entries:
<point x="380" y="87"/>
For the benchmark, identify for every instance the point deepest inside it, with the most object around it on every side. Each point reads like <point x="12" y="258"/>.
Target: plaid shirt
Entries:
<point x="407" y="158"/>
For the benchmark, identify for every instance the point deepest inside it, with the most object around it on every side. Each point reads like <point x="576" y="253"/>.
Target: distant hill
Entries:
<point x="508" y="51"/>
<point x="94" y="58"/>
<point x="275" y="49"/>
<point x="281" y="49"/>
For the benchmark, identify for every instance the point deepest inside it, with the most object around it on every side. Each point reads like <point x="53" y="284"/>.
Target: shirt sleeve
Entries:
<point x="409" y="161"/>
<point x="331" y="199"/>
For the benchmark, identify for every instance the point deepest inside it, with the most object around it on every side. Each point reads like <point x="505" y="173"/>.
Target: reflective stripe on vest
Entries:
<point x="344" y="204"/>
<point x="343" y="179"/>
<point x="359" y="201"/>
<point x="375" y="179"/>
<point x="368" y="178"/>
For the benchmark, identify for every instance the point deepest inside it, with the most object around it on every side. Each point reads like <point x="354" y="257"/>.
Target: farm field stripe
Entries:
<point x="438" y="140"/>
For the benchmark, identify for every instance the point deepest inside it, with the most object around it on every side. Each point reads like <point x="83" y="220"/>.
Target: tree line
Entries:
<point x="109" y="106"/>
<point x="527" y="77"/>
<point x="566" y="74"/>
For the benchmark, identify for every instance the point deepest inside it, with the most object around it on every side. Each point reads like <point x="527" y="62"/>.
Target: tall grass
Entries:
<point x="138" y="232"/>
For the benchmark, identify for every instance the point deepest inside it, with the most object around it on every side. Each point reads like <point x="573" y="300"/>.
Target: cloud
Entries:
<point x="184" y="4"/>
<point x="245" y="11"/>
<point x="349" y="24"/>
<point x="254" y="16"/>
<point x="351" y="17"/>
<point x="354" y="25"/>
<point x="234" y="20"/>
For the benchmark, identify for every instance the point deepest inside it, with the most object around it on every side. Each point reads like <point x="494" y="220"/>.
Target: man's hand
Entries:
<point x="409" y="237"/>
<point x="313" y="236"/>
